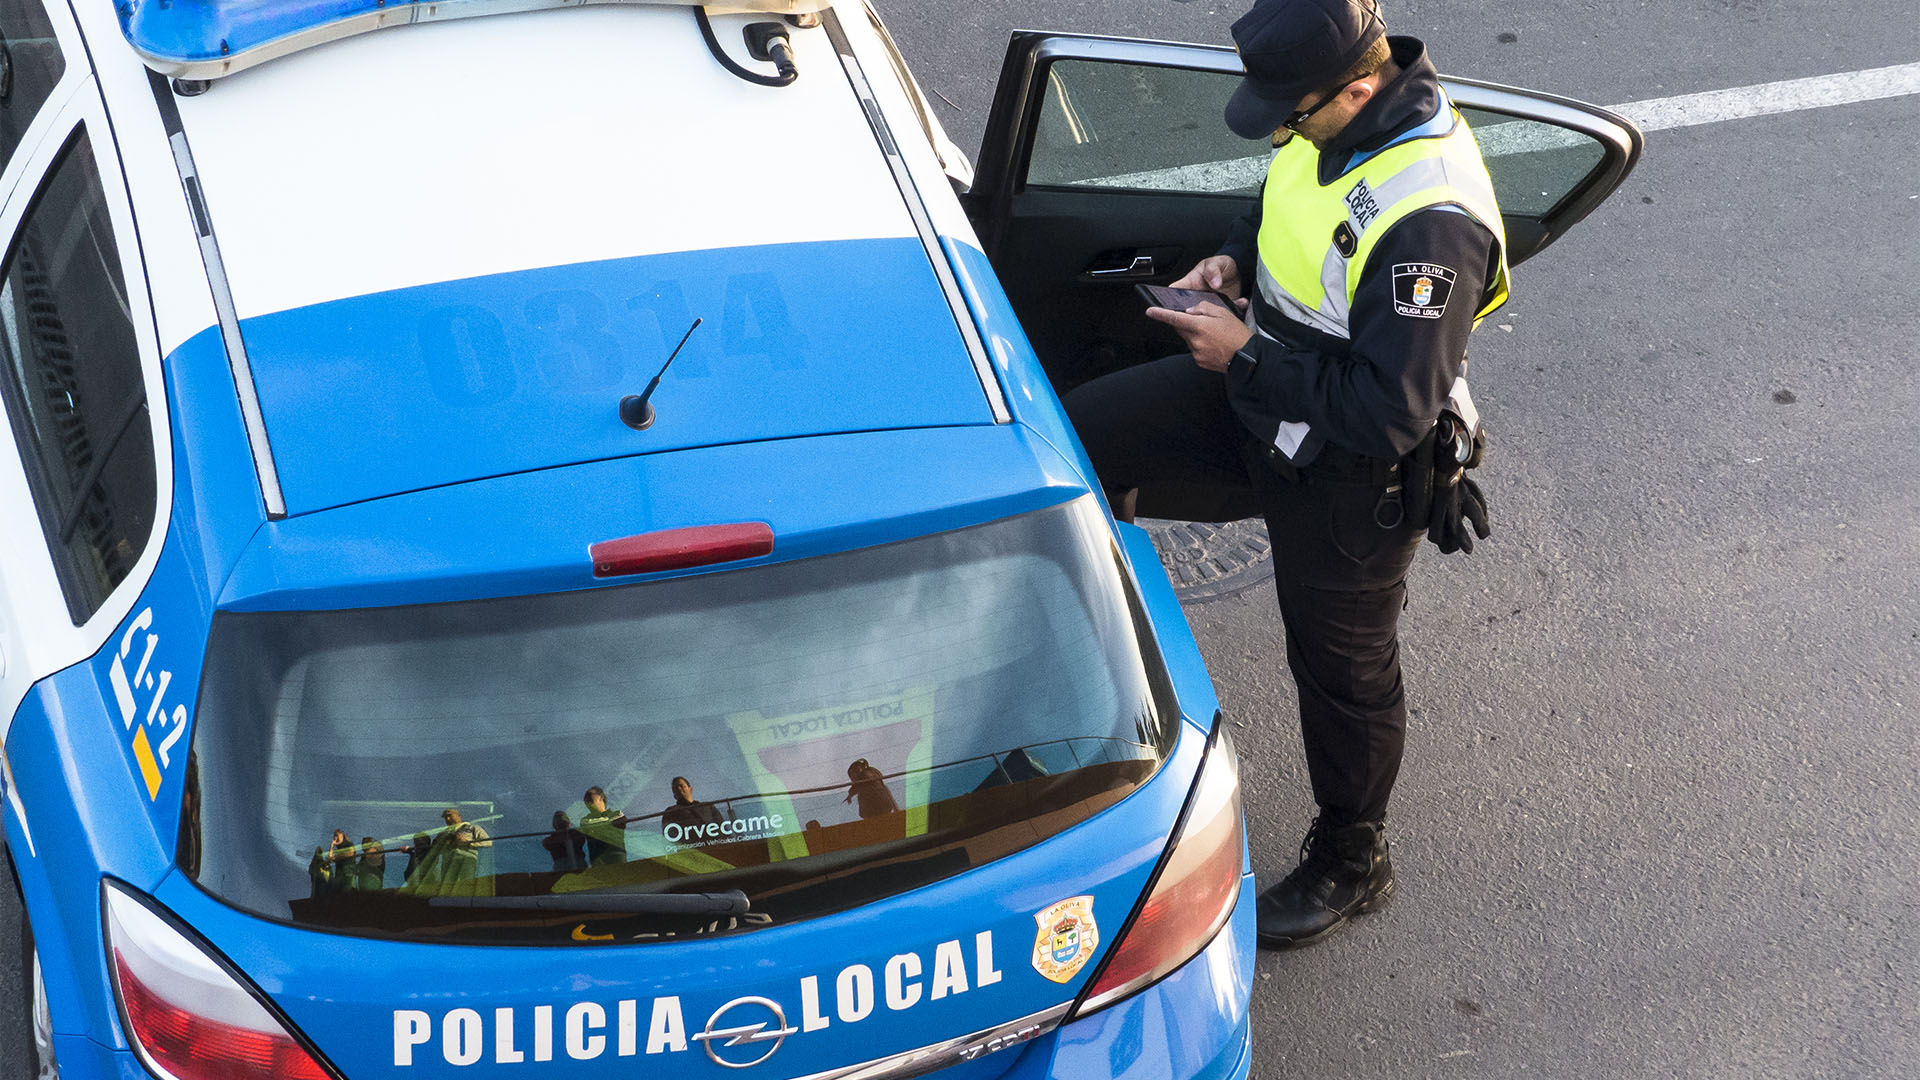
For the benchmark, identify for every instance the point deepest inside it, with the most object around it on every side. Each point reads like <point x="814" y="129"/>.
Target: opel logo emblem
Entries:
<point x="757" y="1020"/>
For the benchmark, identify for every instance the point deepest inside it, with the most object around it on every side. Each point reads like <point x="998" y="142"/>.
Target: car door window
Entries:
<point x="70" y="376"/>
<point x="1534" y="165"/>
<point x="1140" y="128"/>
<point x="1092" y="114"/>
<point x="30" y="65"/>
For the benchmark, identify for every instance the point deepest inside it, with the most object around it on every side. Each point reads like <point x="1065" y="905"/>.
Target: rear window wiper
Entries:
<point x="706" y="904"/>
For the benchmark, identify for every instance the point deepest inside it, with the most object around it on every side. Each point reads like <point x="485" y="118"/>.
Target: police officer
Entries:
<point x="1374" y="249"/>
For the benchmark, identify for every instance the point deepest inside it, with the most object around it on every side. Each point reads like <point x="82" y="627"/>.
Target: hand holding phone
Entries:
<point x="1212" y="326"/>
<point x="1181" y="299"/>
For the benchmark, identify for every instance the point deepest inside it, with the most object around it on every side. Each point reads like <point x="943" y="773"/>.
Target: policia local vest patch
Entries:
<point x="1420" y="290"/>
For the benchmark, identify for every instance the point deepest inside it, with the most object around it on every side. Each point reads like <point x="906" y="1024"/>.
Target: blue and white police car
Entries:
<point x="535" y="570"/>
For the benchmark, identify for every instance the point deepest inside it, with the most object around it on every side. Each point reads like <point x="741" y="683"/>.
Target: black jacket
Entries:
<point x="1378" y="393"/>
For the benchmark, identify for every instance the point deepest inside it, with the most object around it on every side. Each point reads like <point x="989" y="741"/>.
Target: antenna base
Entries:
<point x="636" y="412"/>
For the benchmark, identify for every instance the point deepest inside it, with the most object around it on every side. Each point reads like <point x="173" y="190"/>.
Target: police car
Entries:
<point x="575" y="566"/>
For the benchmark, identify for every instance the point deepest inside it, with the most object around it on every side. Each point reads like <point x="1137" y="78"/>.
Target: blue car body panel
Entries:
<point x="216" y="496"/>
<point x="530" y="532"/>
<point x="488" y="376"/>
<point x="84" y="798"/>
<point x="1178" y="649"/>
<point x="83" y="1059"/>
<point x="1193" y="1025"/>
<point x="99" y="750"/>
<point x="1024" y="383"/>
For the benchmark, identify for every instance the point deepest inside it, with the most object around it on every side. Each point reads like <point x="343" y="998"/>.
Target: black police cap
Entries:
<point x="1290" y="49"/>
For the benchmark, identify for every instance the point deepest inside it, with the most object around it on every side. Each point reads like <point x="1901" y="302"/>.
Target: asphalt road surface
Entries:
<point x="1661" y="809"/>
<point x="1660" y="813"/>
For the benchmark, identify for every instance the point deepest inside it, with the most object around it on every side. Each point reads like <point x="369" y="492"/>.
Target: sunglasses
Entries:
<point x="1292" y="123"/>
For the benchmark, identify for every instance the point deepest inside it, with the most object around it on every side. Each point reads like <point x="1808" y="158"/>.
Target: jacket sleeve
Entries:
<point x="1409" y="328"/>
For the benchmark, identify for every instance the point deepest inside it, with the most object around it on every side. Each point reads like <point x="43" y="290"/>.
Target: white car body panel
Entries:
<point x="29" y="591"/>
<point x="948" y="218"/>
<point x="373" y="164"/>
<point x="176" y="277"/>
<point x="41" y="637"/>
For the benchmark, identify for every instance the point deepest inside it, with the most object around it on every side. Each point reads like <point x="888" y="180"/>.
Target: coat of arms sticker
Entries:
<point x="1067" y="938"/>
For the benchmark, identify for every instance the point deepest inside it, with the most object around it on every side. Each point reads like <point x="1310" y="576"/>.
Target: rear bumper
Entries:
<point x="1192" y="1025"/>
<point x="80" y="1058"/>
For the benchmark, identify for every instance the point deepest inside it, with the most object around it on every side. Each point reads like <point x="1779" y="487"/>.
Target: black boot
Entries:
<point x="1343" y="871"/>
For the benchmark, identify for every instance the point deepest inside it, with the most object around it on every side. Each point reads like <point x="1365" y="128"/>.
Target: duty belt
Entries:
<point x="1337" y="463"/>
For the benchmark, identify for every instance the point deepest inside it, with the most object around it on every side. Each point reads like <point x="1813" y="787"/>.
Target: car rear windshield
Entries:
<point x="700" y="755"/>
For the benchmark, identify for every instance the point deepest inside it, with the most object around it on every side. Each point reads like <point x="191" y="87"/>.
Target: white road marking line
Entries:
<point x="1240" y="174"/>
<point x="1525" y="136"/>
<point x="1793" y="95"/>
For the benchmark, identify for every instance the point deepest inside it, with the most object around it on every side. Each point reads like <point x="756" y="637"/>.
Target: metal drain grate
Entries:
<point x="1208" y="561"/>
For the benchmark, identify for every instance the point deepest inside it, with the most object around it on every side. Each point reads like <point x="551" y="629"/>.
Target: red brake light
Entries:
<point x="187" y="1015"/>
<point x="678" y="549"/>
<point x="1194" y="895"/>
<point x="192" y="1047"/>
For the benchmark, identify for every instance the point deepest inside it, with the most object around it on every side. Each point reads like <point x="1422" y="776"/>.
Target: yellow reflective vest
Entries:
<point x="1315" y="239"/>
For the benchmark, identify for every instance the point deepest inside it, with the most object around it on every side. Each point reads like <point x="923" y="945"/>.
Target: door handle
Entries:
<point x="1141" y="266"/>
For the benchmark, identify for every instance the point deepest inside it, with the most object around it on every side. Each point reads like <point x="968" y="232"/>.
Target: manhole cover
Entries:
<point x="1210" y="561"/>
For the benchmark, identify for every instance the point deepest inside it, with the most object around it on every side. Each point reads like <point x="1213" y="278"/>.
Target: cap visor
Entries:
<point x="1251" y="116"/>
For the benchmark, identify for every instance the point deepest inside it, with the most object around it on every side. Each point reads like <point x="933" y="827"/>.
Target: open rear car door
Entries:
<point x="1106" y="164"/>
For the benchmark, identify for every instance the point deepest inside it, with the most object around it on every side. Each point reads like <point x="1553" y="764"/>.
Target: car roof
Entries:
<point x="448" y="267"/>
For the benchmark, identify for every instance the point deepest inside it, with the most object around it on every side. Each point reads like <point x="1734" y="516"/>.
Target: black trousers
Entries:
<point x="1166" y="429"/>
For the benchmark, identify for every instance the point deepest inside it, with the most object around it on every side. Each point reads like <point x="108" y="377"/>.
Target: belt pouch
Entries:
<point x="1417" y="476"/>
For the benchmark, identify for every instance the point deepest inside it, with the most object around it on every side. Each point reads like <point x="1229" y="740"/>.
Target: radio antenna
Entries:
<point x="635" y="411"/>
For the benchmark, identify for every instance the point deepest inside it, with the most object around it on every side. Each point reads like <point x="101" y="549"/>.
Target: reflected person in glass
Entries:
<point x="605" y="830"/>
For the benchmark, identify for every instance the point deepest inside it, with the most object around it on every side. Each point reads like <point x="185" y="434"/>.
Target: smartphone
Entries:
<point x="1182" y="299"/>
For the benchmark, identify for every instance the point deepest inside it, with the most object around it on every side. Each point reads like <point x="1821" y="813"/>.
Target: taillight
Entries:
<point x="185" y="1015"/>
<point x="1196" y="890"/>
<point x="681" y="549"/>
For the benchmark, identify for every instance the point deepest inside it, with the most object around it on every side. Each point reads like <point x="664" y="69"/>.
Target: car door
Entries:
<point x="84" y="471"/>
<point x="43" y="65"/>
<point x="1106" y="164"/>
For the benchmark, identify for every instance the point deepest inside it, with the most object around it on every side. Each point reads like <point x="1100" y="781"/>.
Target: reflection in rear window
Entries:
<point x="814" y="734"/>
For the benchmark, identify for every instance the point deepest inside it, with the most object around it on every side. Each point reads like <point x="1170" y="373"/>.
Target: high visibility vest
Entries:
<point x="1315" y="240"/>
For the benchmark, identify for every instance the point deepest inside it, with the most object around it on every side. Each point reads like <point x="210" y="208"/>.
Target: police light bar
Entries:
<point x="206" y="39"/>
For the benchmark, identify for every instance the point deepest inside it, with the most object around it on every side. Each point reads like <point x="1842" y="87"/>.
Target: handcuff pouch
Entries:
<point x="1416" y="477"/>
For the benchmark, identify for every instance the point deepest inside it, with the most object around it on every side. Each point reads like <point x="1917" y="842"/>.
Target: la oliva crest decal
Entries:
<point x="1067" y="938"/>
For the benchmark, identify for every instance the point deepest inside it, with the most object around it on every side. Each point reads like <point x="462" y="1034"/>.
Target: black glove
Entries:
<point x="1461" y="499"/>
